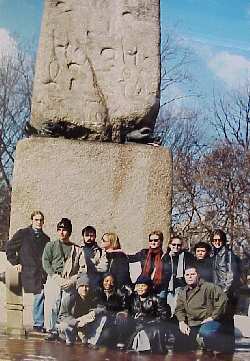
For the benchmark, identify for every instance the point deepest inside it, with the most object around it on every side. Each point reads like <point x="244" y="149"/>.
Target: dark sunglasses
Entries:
<point x="154" y="240"/>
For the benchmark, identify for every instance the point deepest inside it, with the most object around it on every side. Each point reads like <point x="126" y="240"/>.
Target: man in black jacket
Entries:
<point x="203" y="261"/>
<point x="24" y="251"/>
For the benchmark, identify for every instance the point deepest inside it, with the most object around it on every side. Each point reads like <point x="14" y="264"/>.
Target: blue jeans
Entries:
<point x="38" y="309"/>
<point x="210" y="333"/>
<point x="62" y="297"/>
<point x="68" y="329"/>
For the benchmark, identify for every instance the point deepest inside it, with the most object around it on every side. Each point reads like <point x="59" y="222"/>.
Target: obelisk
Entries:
<point x="97" y="82"/>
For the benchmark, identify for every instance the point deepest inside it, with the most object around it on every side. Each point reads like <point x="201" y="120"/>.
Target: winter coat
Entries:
<point x="149" y="316"/>
<point x="106" y="311"/>
<point x="93" y="263"/>
<point x="141" y="257"/>
<point x="55" y="262"/>
<point x="76" y="307"/>
<point x="109" y="305"/>
<point x="226" y="269"/>
<point x="26" y="248"/>
<point x="205" y="300"/>
<point x="172" y="269"/>
<point x="205" y="269"/>
<point x="152" y="308"/>
<point x="118" y="265"/>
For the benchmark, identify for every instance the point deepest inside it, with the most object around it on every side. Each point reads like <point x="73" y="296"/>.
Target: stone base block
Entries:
<point x="242" y="326"/>
<point x="122" y="188"/>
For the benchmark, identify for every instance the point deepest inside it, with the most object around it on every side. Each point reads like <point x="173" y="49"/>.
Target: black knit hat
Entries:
<point x="145" y="280"/>
<point x="66" y="224"/>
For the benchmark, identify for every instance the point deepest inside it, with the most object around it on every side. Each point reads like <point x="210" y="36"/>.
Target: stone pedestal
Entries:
<point x="242" y="325"/>
<point x="121" y="188"/>
<point x="14" y="303"/>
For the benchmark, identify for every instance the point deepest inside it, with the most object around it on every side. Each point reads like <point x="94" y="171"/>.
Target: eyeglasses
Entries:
<point x="176" y="244"/>
<point x="154" y="240"/>
<point x="217" y="240"/>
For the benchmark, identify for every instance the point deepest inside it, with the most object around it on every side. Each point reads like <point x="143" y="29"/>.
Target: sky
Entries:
<point x="218" y="34"/>
<point x="216" y="31"/>
<point x="21" y="17"/>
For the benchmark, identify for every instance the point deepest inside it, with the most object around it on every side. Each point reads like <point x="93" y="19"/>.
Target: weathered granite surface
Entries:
<point x="98" y="67"/>
<point x="121" y="187"/>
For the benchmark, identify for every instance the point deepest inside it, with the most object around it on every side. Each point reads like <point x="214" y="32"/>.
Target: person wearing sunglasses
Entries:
<point x="176" y="259"/>
<point x="226" y="265"/>
<point x="152" y="264"/>
<point x="226" y="274"/>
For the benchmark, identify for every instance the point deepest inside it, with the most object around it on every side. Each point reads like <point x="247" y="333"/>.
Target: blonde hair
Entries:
<point x="34" y="213"/>
<point x="113" y="239"/>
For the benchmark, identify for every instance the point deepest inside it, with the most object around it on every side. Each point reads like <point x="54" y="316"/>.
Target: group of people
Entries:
<point x="89" y="295"/>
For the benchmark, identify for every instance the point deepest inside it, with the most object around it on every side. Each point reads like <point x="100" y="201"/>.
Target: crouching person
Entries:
<point x="200" y="309"/>
<point x="149" y="314"/>
<point x="77" y="314"/>
<point x="109" y="328"/>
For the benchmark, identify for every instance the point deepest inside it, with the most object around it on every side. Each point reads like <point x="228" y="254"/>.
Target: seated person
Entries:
<point x="202" y="251"/>
<point x="149" y="314"/>
<point x="199" y="310"/>
<point x="106" y="330"/>
<point x="76" y="315"/>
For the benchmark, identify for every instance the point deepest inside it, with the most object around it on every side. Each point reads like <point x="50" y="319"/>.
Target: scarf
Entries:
<point x="179" y="272"/>
<point x="156" y="275"/>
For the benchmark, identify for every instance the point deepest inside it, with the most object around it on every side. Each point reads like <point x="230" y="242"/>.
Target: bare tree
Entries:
<point x="211" y="181"/>
<point x="225" y="177"/>
<point x="182" y="133"/>
<point x="180" y="130"/>
<point x="175" y="60"/>
<point x="232" y="116"/>
<point x="16" y="74"/>
<point x="232" y="124"/>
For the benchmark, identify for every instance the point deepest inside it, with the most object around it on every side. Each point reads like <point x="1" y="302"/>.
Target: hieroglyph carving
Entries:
<point x="98" y="66"/>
